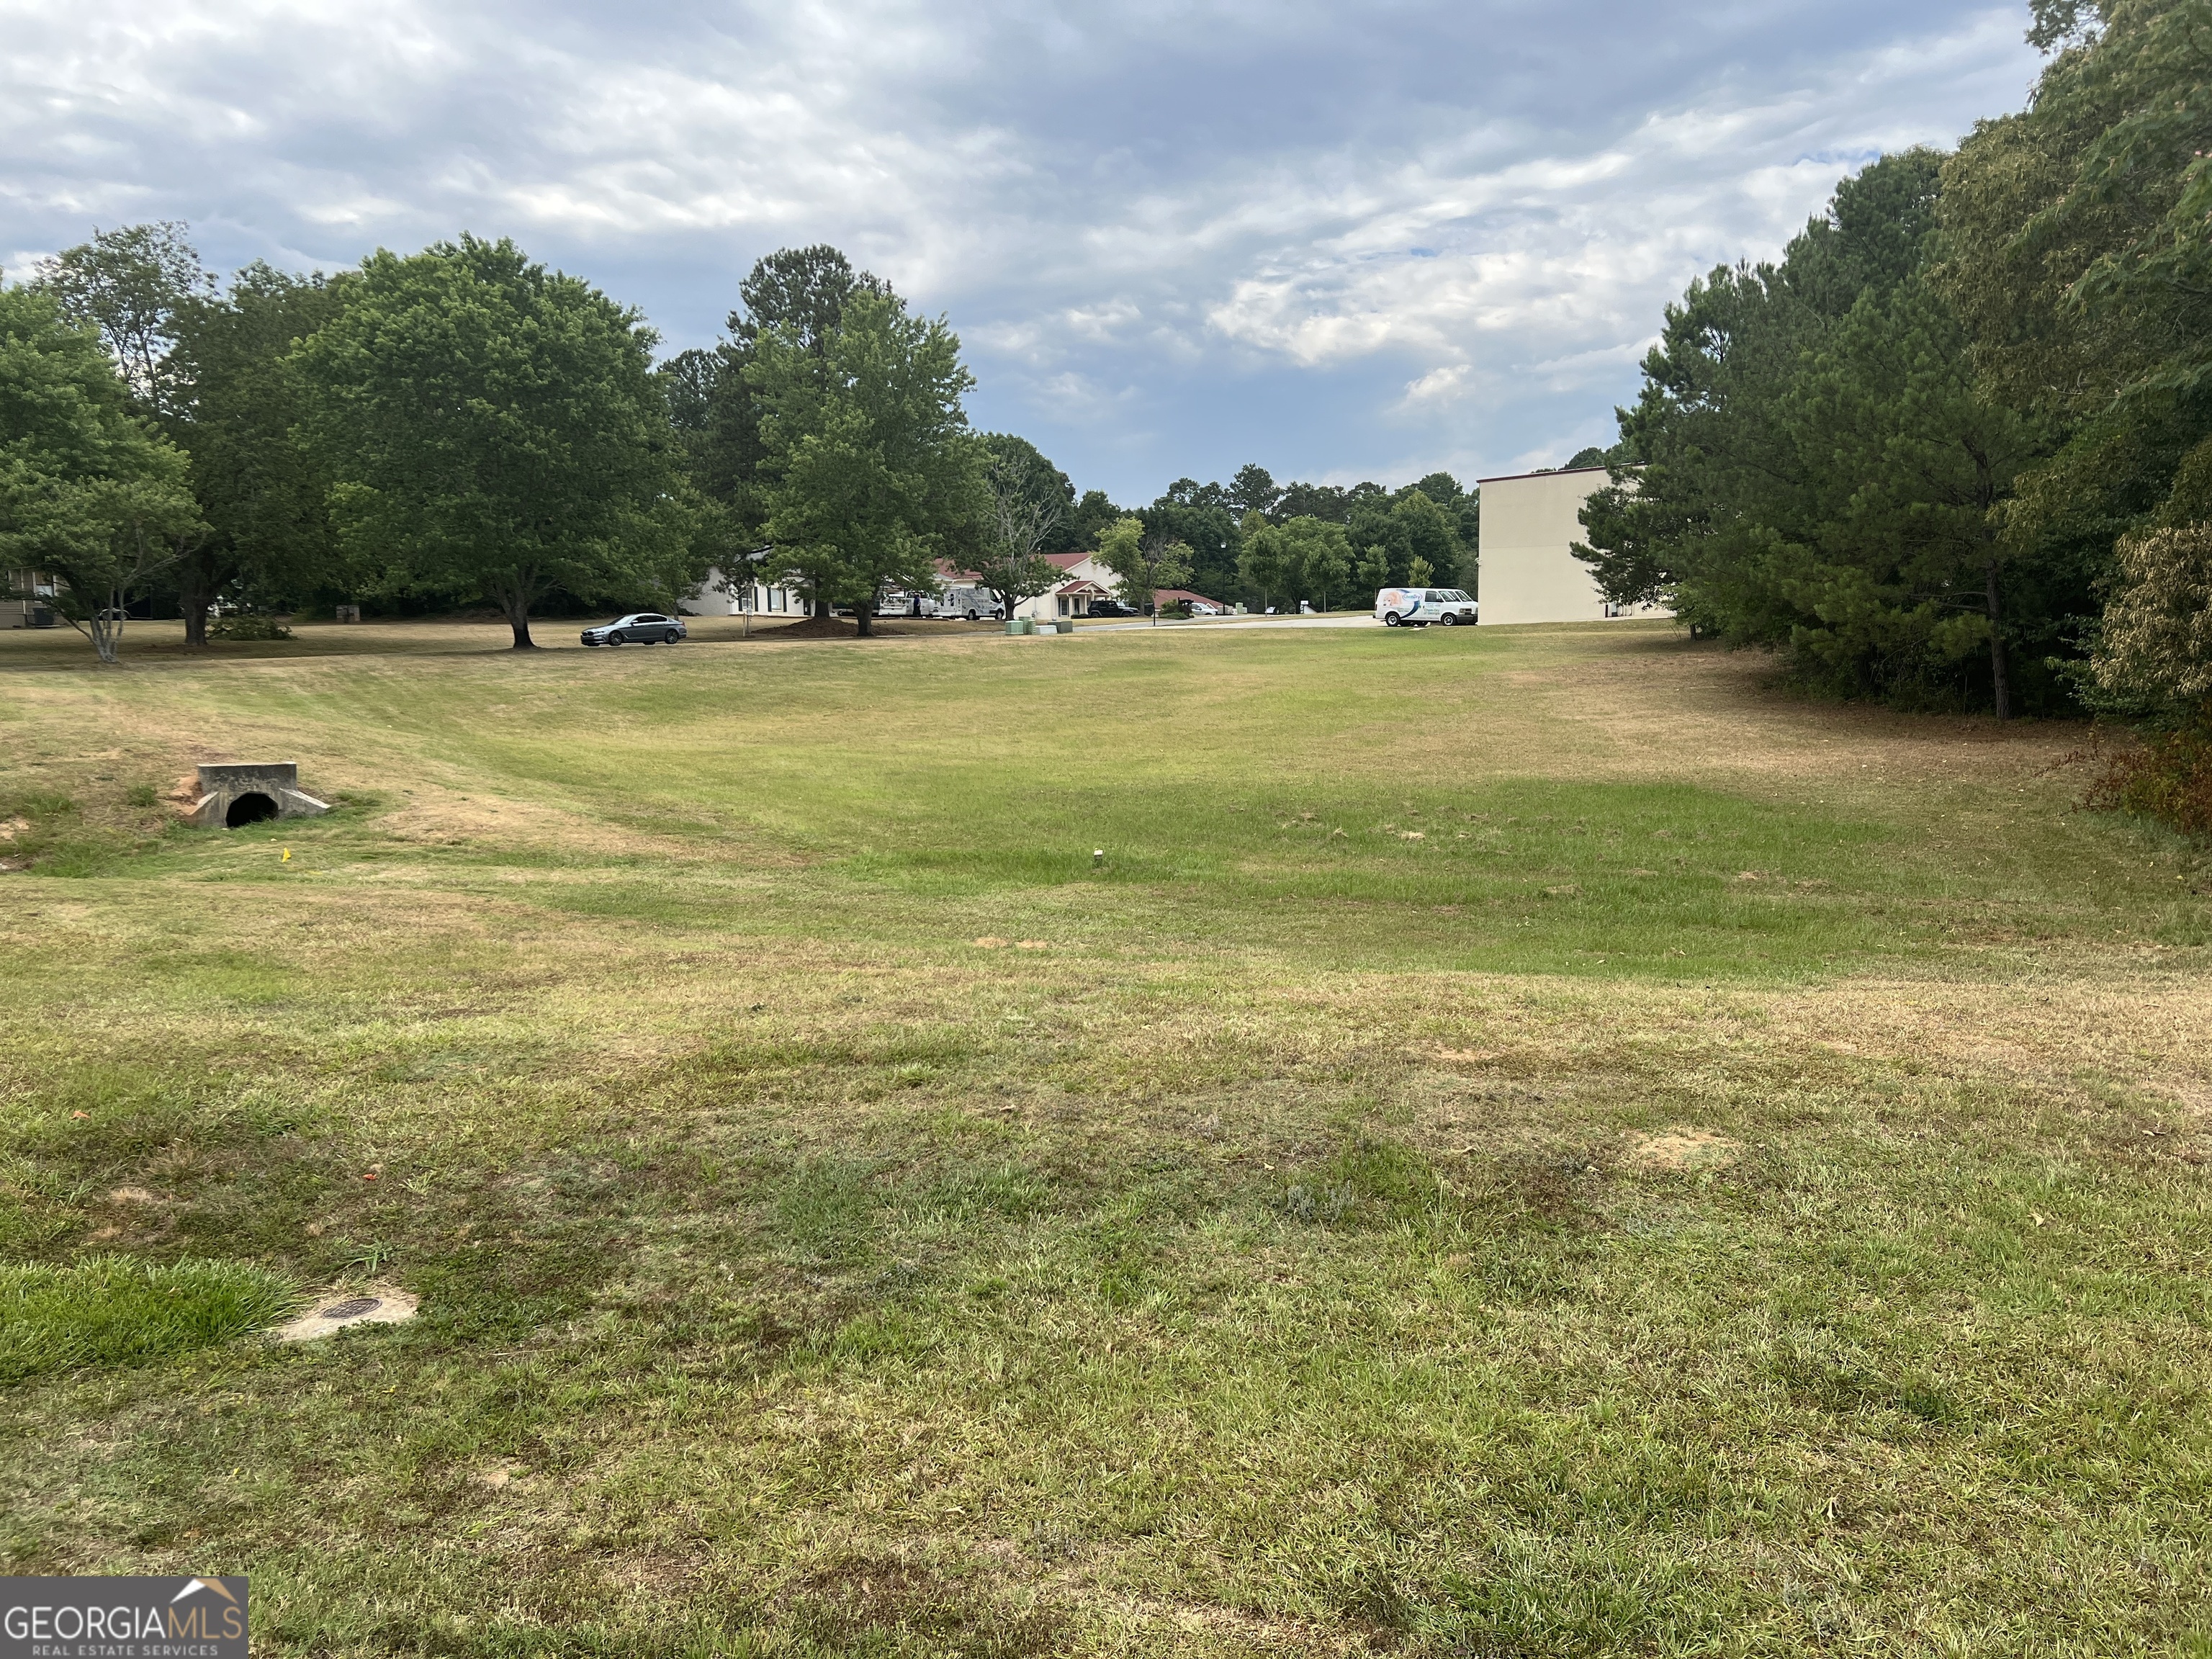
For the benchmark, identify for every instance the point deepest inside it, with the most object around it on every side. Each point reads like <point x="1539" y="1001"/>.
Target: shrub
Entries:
<point x="242" y="627"/>
<point x="2167" y="777"/>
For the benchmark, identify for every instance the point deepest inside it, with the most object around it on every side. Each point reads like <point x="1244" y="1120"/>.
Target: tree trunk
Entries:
<point x="1998" y="679"/>
<point x="107" y="628"/>
<point x="516" y="604"/>
<point x="195" y="594"/>
<point x="864" y="614"/>
<point x="512" y="591"/>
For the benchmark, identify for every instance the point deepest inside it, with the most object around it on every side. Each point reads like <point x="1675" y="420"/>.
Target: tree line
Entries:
<point x="1954" y="449"/>
<point x="465" y="423"/>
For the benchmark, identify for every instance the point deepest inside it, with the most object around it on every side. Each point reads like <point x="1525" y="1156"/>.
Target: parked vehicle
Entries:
<point x="976" y="603"/>
<point x="641" y="628"/>
<point x="949" y="606"/>
<point x="1111" y="608"/>
<point x="1201" y="608"/>
<point x="1416" y="607"/>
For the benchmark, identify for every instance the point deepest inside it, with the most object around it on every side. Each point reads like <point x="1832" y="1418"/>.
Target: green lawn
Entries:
<point x="1528" y="1142"/>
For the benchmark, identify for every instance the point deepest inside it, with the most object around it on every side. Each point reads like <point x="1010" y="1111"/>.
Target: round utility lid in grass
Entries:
<point x="372" y="1304"/>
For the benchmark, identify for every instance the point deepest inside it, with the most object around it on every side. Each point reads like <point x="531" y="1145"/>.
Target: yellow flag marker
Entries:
<point x="287" y="858"/>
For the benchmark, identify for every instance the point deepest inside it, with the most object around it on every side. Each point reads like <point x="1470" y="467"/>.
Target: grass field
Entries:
<point x="1527" y="1142"/>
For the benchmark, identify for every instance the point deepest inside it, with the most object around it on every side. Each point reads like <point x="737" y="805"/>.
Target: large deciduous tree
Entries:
<point x="493" y="428"/>
<point x="1028" y="500"/>
<point x="89" y="491"/>
<point x="869" y="472"/>
<point x="1145" y="562"/>
<point x="131" y="284"/>
<point x="234" y="401"/>
<point x="799" y="293"/>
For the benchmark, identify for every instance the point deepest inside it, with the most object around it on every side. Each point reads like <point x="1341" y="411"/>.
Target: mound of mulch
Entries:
<point x="829" y="627"/>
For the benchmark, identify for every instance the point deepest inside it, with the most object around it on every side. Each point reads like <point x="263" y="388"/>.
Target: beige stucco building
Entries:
<point x="1528" y="572"/>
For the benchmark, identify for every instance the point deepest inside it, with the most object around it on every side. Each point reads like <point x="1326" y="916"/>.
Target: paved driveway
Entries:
<point x="1366" y="621"/>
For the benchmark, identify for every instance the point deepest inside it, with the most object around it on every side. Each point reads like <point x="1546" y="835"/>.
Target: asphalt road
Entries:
<point x="1085" y="626"/>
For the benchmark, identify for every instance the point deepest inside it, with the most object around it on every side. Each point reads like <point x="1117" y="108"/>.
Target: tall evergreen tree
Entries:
<point x="1813" y="464"/>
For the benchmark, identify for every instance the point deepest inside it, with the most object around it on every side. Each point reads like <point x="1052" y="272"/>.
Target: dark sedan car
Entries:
<point x="646" y="627"/>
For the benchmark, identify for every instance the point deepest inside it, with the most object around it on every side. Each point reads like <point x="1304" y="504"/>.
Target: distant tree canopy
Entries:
<point x="1305" y="558"/>
<point x="1432" y="520"/>
<point x="462" y="422"/>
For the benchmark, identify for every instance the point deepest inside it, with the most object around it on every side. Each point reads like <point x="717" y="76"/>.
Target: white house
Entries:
<point x="1528" y="572"/>
<point x="25" y="598"/>
<point x="1088" y="580"/>
<point x="715" y="597"/>
<point x="1083" y="579"/>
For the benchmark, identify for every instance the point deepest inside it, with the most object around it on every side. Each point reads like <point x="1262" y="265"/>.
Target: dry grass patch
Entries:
<point x="844" y="1220"/>
<point x="1680" y="1148"/>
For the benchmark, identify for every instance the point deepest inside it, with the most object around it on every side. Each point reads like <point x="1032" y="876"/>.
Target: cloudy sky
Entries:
<point x="1345" y="240"/>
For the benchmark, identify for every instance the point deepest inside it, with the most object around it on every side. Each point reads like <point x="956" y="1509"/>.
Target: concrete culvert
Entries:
<point x="237" y="793"/>
<point x="253" y="808"/>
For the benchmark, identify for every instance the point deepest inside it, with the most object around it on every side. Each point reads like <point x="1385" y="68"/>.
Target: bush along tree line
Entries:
<point x="1954" y="449"/>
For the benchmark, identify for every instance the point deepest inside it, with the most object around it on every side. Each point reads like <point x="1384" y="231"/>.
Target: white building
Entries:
<point x="1528" y="572"/>
<point x="715" y="597"/>
<point x="26" y="599"/>
<point x="1083" y="579"/>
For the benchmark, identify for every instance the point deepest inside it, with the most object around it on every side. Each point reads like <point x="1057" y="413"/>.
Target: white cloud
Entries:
<point x="1173" y="236"/>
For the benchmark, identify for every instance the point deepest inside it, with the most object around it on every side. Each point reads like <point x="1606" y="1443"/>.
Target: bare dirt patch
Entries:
<point x="368" y="1305"/>
<point x="1681" y="1147"/>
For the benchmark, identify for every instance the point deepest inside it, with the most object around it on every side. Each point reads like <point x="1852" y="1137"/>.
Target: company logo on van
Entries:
<point x="1390" y="597"/>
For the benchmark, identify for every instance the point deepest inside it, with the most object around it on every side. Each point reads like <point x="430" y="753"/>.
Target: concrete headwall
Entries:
<point x="273" y="787"/>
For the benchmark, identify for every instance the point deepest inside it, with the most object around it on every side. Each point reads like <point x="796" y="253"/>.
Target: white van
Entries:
<point x="975" y="604"/>
<point x="1416" y="607"/>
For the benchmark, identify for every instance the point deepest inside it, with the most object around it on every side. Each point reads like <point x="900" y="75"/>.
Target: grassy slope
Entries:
<point x="1529" y="1144"/>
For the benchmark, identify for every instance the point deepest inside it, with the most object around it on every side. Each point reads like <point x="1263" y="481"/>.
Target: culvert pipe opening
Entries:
<point x="252" y="808"/>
